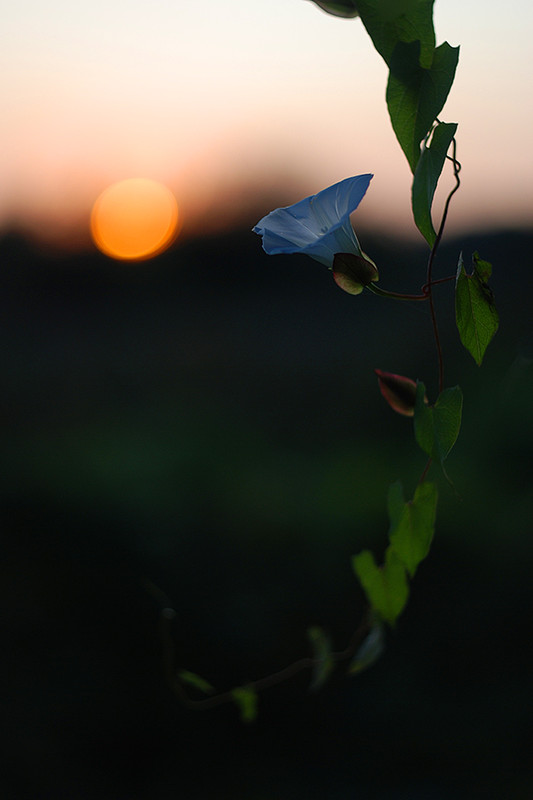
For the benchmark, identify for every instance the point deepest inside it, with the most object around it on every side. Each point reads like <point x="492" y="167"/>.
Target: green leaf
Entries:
<point x="386" y="587"/>
<point x="322" y="656"/>
<point x="391" y="21"/>
<point x="246" y="699"/>
<point x="370" y="650"/>
<point x="195" y="680"/>
<point x="341" y="8"/>
<point x="475" y="312"/>
<point x="416" y="95"/>
<point x="412" y="524"/>
<point x="437" y="427"/>
<point x="426" y="178"/>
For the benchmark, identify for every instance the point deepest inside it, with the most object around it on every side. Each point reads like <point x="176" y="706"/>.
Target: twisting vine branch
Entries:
<point x="429" y="280"/>
<point x="172" y="673"/>
<point x="329" y="238"/>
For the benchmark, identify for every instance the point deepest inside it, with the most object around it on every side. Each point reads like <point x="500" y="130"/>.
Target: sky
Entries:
<point x="239" y="106"/>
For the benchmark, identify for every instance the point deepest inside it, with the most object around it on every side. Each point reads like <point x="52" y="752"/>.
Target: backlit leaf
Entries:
<point x="416" y="95"/>
<point x="412" y="524"/>
<point x="426" y="178"/>
<point x="475" y="312"/>
<point x="437" y="427"/>
<point x="391" y="21"/>
<point x="386" y="587"/>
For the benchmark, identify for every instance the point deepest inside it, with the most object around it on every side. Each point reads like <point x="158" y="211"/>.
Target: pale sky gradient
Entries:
<point x="219" y="97"/>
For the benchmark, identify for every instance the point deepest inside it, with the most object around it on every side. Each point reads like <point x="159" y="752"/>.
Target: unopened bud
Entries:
<point x="352" y="273"/>
<point x="398" y="391"/>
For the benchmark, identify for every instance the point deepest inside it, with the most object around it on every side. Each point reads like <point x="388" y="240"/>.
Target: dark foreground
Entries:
<point x="205" y="431"/>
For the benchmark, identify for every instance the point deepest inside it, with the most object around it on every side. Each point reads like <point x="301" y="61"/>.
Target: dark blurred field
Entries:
<point x="205" y="431"/>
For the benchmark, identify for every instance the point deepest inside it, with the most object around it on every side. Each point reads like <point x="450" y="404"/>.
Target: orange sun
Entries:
<point x="134" y="219"/>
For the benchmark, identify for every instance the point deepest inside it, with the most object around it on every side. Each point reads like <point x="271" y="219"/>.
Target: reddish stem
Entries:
<point x="429" y="282"/>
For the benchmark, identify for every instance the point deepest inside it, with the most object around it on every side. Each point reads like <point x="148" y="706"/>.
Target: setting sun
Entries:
<point x="134" y="219"/>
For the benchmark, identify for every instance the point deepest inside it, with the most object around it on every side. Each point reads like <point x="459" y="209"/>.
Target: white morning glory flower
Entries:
<point x="318" y="226"/>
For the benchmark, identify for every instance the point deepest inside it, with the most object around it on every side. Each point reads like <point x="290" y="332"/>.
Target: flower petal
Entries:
<point x="319" y="225"/>
<point x="338" y="240"/>
<point x="283" y="224"/>
<point x="337" y="202"/>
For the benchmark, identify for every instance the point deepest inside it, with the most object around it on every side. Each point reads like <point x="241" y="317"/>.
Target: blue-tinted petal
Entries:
<point x="335" y="203"/>
<point x="319" y="225"/>
<point x="340" y="240"/>
<point x="282" y="222"/>
<point x="273" y="243"/>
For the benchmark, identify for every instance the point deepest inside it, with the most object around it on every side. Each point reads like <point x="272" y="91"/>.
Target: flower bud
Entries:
<point x="352" y="273"/>
<point x="398" y="391"/>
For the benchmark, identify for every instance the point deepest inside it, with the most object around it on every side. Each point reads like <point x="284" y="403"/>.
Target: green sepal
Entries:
<point x="352" y="272"/>
<point x="398" y="391"/>
<point x="412" y="524"/>
<point x="426" y="177"/>
<point x="475" y="312"/>
<point x="437" y="427"/>
<point x="322" y="656"/>
<point x="385" y="587"/>
<point x="246" y="699"/>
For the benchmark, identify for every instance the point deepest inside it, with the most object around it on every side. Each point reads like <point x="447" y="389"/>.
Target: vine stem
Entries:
<point x="395" y="295"/>
<point x="401" y="296"/>
<point x="258" y="685"/>
<point x="425" y="471"/>
<point x="429" y="282"/>
<point x="308" y="663"/>
<point x="427" y="289"/>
